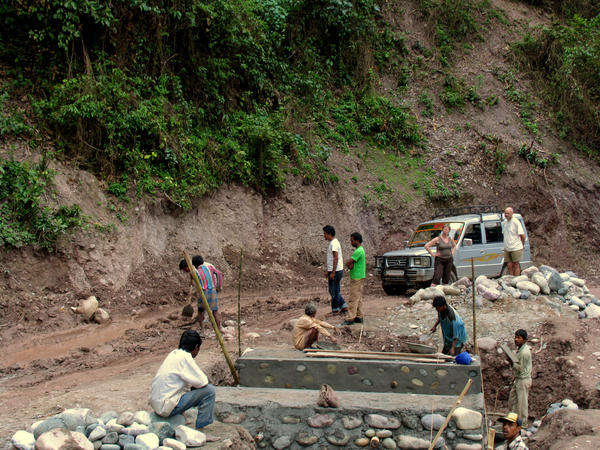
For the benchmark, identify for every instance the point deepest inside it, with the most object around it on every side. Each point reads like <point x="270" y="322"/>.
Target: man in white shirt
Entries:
<point x="334" y="272"/>
<point x="180" y="385"/>
<point x="514" y="238"/>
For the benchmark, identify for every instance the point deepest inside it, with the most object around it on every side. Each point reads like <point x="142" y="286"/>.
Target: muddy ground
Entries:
<point x="110" y="367"/>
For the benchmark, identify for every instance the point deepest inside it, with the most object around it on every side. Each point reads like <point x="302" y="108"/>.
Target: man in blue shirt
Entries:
<point x="453" y="328"/>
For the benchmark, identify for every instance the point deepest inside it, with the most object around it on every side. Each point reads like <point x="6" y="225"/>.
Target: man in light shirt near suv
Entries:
<point x="514" y="238"/>
<point x="334" y="272"/>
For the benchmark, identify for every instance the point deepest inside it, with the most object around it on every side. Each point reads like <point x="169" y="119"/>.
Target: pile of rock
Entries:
<point x="77" y="429"/>
<point x="565" y="404"/>
<point x="543" y="283"/>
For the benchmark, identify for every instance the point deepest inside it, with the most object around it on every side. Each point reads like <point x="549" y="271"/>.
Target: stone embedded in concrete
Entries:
<point x="468" y="447"/>
<point x="351" y="422"/>
<point x="362" y="442"/>
<point x="379" y="421"/>
<point x="410" y="421"/>
<point x="291" y="419"/>
<point x="434" y="385"/>
<point x="382" y="434"/>
<point x="389" y="443"/>
<point x="405" y="369"/>
<point x="263" y="366"/>
<point x="367" y="382"/>
<point x="452" y="385"/>
<point x="306" y="439"/>
<point x="62" y="439"/>
<point x="450" y="435"/>
<point x="283" y="442"/>
<point x="412" y="443"/>
<point x="441" y="372"/>
<point x="338" y="438"/>
<point x="467" y="419"/>
<point x="417" y="382"/>
<point x="234" y="418"/>
<point x="22" y="440"/>
<point x="308" y="378"/>
<point x="320" y="421"/>
<point x="189" y="436"/>
<point x="126" y="419"/>
<point x="370" y="433"/>
<point x="434" y="421"/>
<point x="332" y="369"/>
<point x="300" y="368"/>
<point x="352" y="370"/>
<point x="473" y="437"/>
<point x="269" y="379"/>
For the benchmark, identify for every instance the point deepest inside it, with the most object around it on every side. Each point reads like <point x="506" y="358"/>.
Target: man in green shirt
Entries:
<point x="517" y="399"/>
<point x="358" y="268"/>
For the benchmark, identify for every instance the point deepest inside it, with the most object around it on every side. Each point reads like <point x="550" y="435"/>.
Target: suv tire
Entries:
<point x="391" y="289"/>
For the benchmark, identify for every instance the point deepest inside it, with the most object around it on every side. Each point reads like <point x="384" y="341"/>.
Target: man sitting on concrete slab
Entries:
<point x="453" y="328"/>
<point x="511" y="429"/>
<point x="307" y="329"/>
<point x="180" y="384"/>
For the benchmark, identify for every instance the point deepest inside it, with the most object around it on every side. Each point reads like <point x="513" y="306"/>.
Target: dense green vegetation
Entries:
<point x="185" y="95"/>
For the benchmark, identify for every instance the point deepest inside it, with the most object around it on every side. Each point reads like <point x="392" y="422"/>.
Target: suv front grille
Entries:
<point x="396" y="263"/>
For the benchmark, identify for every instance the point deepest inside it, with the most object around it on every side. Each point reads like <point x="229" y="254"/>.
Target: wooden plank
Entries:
<point x="449" y="416"/>
<point x="491" y="438"/>
<point x="375" y="357"/>
<point x="359" y="352"/>
<point x="509" y="353"/>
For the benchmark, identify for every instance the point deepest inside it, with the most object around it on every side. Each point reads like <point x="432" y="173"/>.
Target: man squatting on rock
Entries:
<point x="180" y="384"/>
<point x="334" y="272"/>
<point x="307" y="329"/>
<point x="514" y="238"/>
<point x="511" y="429"/>
<point x="453" y="328"/>
<point x="211" y="281"/>
<point x="519" y="393"/>
<point x="358" y="271"/>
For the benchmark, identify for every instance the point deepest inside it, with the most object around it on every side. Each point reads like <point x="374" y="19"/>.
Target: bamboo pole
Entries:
<point x="449" y="416"/>
<point x="194" y="276"/>
<point x="475" y="349"/>
<point x="240" y="304"/>
<point x="491" y="438"/>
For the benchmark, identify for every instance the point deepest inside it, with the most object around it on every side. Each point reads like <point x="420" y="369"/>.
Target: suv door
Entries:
<point x="493" y="257"/>
<point x="466" y="252"/>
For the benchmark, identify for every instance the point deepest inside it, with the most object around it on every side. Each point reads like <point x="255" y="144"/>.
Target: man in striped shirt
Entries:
<point x="211" y="281"/>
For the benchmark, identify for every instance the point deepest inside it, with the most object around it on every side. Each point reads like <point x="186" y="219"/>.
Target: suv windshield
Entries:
<point x="428" y="231"/>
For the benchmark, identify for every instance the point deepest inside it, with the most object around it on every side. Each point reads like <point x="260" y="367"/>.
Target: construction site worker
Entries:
<point x="180" y="384"/>
<point x="453" y="328"/>
<point x="307" y="329"/>
<point x="519" y="393"/>
<point x="511" y="429"/>
<point x="334" y="272"/>
<point x="357" y="265"/>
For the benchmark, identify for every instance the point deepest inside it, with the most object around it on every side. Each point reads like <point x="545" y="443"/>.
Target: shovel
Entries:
<point x="188" y="310"/>
<point x="426" y="338"/>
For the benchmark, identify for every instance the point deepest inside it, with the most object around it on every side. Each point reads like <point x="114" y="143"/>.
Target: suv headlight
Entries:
<point x="378" y="262"/>
<point x="421" y="261"/>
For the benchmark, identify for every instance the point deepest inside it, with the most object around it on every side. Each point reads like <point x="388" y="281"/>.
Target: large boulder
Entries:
<point x="87" y="308"/>
<point x="467" y="419"/>
<point x="555" y="281"/>
<point x="101" y="316"/>
<point x="488" y="293"/>
<point x="65" y="422"/>
<point x="22" y="440"/>
<point x="516" y="280"/>
<point x="576" y="301"/>
<point x="189" y="436"/>
<point x="530" y="271"/>
<point x="541" y="281"/>
<point x="528" y="286"/>
<point x="451" y="290"/>
<point x="412" y="443"/>
<point x="592" y="311"/>
<point x="61" y="439"/>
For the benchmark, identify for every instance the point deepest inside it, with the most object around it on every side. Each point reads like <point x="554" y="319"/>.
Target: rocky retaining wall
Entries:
<point x="290" y="419"/>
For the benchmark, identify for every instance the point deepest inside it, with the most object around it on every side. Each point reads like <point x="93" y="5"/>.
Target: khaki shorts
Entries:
<point x="515" y="256"/>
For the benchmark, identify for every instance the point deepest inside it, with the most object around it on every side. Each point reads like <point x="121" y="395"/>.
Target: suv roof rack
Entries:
<point x="480" y="209"/>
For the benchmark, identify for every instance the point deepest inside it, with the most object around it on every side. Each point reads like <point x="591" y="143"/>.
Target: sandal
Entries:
<point x="332" y="314"/>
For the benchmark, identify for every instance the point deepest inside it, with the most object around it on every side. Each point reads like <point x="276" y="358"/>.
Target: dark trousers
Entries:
<point x="337" y="301"/>
<point x="442" y="268"/>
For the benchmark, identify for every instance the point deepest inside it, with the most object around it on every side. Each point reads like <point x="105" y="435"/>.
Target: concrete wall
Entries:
<point x="295" y="370"/>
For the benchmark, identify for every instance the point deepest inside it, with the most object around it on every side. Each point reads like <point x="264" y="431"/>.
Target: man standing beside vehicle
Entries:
<point x="514" y="238"/>
<point x="334" y="272"/>
<point x="453" y="328"/>
<point x="358" y="271"/>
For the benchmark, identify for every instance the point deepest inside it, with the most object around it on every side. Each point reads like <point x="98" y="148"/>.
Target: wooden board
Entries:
<point x="509" y="353"/>
<point x="324" y="354"/>
<point x="410" y="355"/>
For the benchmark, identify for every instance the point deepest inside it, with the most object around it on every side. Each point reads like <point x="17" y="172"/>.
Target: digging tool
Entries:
<point x="188" y="310"/>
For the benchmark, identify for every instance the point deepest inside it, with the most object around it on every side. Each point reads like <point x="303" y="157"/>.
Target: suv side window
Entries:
<point x="493" y="232"/>
<point x="474" y="233"/>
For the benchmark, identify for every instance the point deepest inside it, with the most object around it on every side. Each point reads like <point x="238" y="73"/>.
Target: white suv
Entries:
<point x="477" y="231"/>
